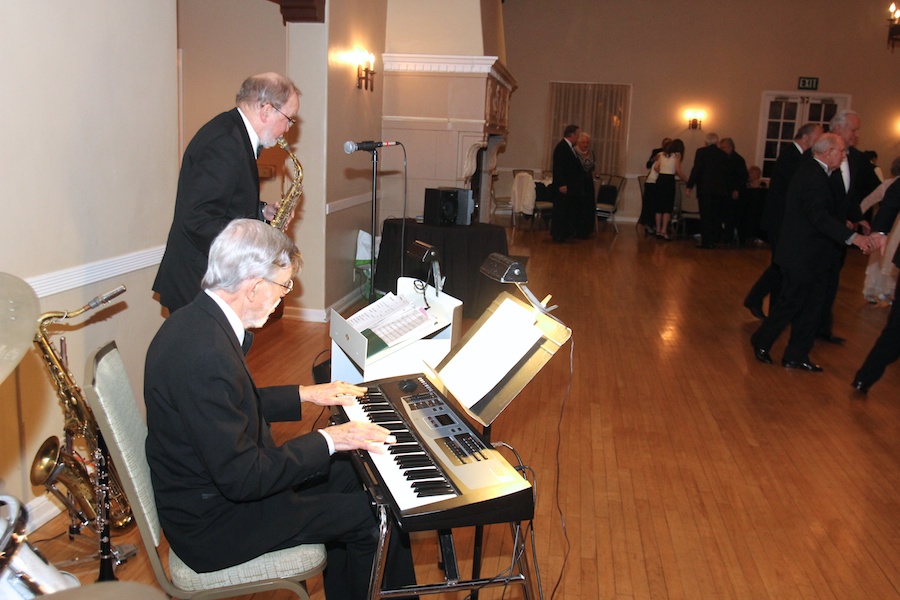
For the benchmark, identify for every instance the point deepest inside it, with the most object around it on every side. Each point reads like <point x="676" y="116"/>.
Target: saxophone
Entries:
<point x="289" y="201"/>
<point x="58" y="463"/>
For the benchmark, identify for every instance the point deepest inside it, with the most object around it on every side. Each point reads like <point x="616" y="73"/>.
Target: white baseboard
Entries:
<point x="40" y="511"/>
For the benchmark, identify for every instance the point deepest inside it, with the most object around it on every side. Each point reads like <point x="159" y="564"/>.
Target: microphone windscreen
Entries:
<point x="349" y="147"/>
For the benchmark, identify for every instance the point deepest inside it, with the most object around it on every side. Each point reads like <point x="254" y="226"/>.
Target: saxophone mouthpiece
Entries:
<point x="104" y="298"/>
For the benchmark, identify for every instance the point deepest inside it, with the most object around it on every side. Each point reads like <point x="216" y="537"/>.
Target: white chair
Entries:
<point x="125" y="432"/>
<point x="525" y="200"/>
<point x="501" y="195"/>
<point x="686" y="209"/>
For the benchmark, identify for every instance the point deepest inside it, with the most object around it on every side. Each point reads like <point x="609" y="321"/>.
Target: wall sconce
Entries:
<point x="365" y="73"/>
<point x="893" y="26"/>
<point x="695" y="118"/>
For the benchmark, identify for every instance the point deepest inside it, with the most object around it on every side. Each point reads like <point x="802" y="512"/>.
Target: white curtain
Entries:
<point x="601" y="110"/>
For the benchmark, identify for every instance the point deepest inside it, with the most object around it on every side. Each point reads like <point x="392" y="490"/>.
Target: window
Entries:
<point x="601" y="110"/>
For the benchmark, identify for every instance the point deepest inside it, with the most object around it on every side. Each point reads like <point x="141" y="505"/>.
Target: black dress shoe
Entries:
<point x="802" y="365"/>
<point x="755" y="310"/>
<point x="762" y="356"/>
<point x="859" y="386"/>
<point x="831" y="338"/>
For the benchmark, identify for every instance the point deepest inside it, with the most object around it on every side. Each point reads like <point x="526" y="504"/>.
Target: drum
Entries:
<point x="23" y="572"/>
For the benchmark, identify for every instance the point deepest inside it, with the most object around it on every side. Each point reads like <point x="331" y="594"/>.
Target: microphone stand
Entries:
<point x="374" y="225"/>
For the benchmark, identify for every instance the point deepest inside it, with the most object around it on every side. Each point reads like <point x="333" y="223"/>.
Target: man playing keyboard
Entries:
<point x="225" y="492"/>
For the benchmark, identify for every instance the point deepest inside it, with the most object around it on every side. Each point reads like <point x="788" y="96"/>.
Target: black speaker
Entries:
<point x="440" y="206"/>
<point x="448" y="206"/>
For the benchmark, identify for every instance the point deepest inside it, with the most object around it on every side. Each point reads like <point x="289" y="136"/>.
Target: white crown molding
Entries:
<point x="448" y="64"/>
<point x="437" y="63"/>
<point x="82" y="275"/>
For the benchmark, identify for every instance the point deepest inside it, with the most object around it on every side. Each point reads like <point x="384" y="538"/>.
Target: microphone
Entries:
<point x="351" y="147"/>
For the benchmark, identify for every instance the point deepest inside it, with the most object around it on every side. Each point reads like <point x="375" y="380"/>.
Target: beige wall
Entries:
<point x="355" y="115"/>
<point x="435" y="27"/>
<point x="717" y="56"/>
<point x="88" y="170"/>
<point x="212" y="71"/>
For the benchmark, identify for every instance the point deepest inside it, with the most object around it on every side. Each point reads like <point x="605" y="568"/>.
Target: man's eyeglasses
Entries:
<point x="289" y="286"/>
<point x="290" y="120"/>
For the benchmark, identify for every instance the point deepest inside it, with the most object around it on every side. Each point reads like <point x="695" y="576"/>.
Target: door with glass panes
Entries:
<point x="782" y="114"/>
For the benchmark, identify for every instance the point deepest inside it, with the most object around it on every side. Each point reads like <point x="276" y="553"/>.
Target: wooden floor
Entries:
<point x="671" y="464"/>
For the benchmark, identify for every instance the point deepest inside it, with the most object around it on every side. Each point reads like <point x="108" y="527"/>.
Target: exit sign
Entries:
<point x="808" y="83"/>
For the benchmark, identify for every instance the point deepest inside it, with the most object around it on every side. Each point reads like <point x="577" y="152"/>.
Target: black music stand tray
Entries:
<point x="553" y="335"/>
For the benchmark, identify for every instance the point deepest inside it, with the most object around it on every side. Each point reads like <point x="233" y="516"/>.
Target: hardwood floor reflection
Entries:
<point x="673" y="464"/>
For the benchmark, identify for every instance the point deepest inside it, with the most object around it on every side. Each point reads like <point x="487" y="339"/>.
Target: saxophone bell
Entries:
<point x="53" y="465"/>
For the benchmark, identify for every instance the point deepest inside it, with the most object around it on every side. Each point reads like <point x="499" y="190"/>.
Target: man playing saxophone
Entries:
<point x="219" y="181"/>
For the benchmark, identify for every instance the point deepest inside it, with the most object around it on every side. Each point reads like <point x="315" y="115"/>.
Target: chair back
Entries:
<point x="687" y="204"/>
<point x="609" y="191"/>
<point x="642" y="183"/>
<point x="125" y="432"/>
<point x="523" y="192"/>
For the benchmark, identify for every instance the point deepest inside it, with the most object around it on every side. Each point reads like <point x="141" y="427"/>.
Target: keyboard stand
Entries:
<point x="452" y="582"/>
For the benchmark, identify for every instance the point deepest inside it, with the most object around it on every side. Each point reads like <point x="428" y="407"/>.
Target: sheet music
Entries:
<point x="378" y="310"/>
<point x="490" y="354"/>
<point x="392" y="320"/>
<point x="402" y="325"/>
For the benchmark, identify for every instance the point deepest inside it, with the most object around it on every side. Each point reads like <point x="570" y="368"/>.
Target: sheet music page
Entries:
<point x="369" y="316"/>
<point x="491" y="353"/>
<point x="403" y="324"/>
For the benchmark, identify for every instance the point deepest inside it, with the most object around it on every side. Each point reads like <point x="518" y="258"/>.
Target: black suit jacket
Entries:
<point x="567" y="171"/>
<point x="814" y="232"/>
<point x="218" y="183"/>
<point x="736" y="174"/>
<point x="709" y="171"/>
<point x="863" y="179"/>
<point x="890" y="206"/>
<point x="785" y="166"/>
<point x="223" y="488"/>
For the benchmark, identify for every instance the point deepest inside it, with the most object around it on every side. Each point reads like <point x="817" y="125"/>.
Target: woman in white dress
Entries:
<point x="881" y="274"/>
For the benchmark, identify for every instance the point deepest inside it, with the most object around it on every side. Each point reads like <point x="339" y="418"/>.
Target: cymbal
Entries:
<point x="18" y="321"/>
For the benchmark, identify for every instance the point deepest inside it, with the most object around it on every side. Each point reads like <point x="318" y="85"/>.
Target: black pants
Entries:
<point x="886" y="349"/>
<point x="348" y="528"/>
<point x="768" y="284"/>
<point x="711" y="207"/>
<point x="826" y="326"/>
<point x="562" y="223"/>
<point x="799" y="305"/>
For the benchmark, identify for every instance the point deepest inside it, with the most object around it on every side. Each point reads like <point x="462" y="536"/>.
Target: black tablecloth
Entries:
<point x="462" y="250"/>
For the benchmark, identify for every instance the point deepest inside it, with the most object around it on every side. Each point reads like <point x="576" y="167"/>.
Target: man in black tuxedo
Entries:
<point x="813" y="237"/>
<point x="735" y="183"/>
<point x="786" y="165"/>
<point x="568" y="188"/>
<point x="708" y="176"/>
<point x="887" y="348"/>
<point x="225" y="492"/>
<point x="856" y="179"/>
<point x="219" y="181"/>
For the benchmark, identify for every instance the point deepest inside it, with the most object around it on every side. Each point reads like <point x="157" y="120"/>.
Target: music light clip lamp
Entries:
<point x="426" y="253"/>
<point x="506" y="270"/>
